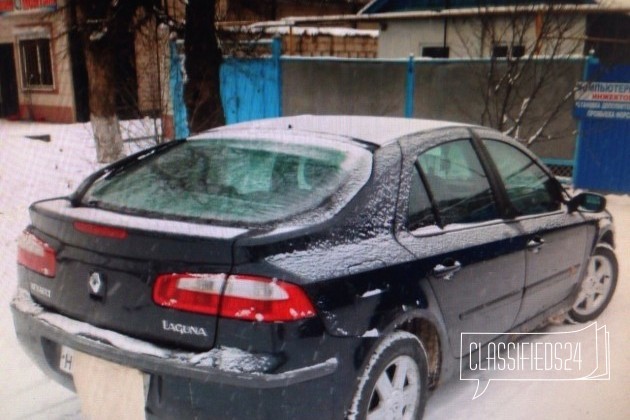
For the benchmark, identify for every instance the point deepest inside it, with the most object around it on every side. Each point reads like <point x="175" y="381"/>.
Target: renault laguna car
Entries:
<point x="265" y="269"/>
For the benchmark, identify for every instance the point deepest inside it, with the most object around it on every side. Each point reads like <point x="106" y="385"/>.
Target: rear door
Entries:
<point x="454" y="228"/>
<point x="555" y="240"/>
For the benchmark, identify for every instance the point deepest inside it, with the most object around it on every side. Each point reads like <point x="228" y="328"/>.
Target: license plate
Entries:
<point x="65" y="360"/>
<point x="108" y="390"/>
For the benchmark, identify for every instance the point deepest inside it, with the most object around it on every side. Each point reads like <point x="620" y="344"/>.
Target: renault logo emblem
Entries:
<point x="97" y="285"/>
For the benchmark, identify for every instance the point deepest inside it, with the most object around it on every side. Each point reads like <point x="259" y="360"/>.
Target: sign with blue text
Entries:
<point x="602" y="100"/>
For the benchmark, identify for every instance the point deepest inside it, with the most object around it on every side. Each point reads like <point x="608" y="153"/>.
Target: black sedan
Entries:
<point x="305" y="267"/>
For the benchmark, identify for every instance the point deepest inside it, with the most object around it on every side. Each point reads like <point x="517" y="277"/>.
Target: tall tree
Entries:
<point x="98" y="23"/>
<point x="102" y="24"/>
<point x="203" y="60"/>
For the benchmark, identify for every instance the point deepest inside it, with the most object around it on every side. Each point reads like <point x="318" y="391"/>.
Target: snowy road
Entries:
<point x="31" y="169"/>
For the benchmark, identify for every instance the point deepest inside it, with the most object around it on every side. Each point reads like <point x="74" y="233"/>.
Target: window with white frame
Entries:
<point x="36" y="63"/>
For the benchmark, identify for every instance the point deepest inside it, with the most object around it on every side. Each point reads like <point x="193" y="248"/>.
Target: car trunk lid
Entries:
<point x="105" y="270"/>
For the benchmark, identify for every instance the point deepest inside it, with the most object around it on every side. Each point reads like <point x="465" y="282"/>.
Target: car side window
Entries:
<point x="458" y="183"/>
<point x="529" y="188"/>
<point x="420" y="212"/>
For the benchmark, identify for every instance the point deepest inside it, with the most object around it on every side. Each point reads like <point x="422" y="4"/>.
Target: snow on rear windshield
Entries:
<point x="237" y="180"/>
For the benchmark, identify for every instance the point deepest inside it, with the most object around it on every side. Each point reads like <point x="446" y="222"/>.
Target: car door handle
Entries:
<point x="447" y="269"/>
<point x="535" y="243"/>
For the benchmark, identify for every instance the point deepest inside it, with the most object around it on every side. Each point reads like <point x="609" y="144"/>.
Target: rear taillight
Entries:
<point x="238" y="296"/>
<point x="198" y="293"/>
<point x="36" y="255"/>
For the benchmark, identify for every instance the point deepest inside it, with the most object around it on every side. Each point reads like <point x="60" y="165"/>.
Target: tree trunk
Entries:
<point x="100" y="57"/>
<point x="203" y="61"/>
<point x="100" y="68"/>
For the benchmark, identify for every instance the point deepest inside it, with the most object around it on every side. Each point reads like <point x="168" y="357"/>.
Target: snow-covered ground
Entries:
<point x="32" y="169"/>
<point x="29" y="170"/>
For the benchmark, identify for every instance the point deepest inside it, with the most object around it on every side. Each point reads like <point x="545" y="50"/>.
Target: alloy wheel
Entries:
<point x="596" y="286"/>
<point x="396" y="392"/>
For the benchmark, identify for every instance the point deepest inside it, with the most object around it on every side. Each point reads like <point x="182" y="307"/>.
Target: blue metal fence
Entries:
<point x="176" y="86"/>
<point x="251" y="87"/>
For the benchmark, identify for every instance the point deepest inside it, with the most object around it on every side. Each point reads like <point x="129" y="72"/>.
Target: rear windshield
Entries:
<point x="238" y="181"/>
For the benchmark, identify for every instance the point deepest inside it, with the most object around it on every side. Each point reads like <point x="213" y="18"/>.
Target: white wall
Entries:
<point x="399" y="38"/>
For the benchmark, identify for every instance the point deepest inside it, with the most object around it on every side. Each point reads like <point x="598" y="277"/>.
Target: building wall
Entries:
<point x="330" y="45"/>
<point x="54" y="104"/>
<point x="268" y="10"/>
<point x="300" y="40"/>
<point x="402" y="38"/>
<point x="465" y="37"/>
<point x="314" y="8"/>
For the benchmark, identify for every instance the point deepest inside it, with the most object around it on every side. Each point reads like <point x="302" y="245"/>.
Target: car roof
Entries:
<point x="378" y="131"/>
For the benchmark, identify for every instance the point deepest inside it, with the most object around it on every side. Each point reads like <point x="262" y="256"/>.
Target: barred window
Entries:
<point x="36" y="63"/>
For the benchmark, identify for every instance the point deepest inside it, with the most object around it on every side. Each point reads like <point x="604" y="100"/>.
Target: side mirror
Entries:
<point x="588" y="202"/>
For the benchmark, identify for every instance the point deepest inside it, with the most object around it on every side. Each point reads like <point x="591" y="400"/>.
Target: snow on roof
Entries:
<point x="281" y="28"/>
<point x="375" y="130"/>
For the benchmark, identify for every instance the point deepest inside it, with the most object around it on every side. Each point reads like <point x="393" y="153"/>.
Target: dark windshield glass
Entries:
<point x="247" y="181"/>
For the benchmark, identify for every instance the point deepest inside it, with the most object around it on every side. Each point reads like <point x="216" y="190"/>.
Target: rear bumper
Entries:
<point x="185" y="384"/>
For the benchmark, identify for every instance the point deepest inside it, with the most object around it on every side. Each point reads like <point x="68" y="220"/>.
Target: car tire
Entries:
<point x="597" y="286"/>
<point x="393" y="385"/>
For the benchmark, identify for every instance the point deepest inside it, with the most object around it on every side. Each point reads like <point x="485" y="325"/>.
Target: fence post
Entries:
<point x="276" y="53"/>
<point x="590" y="66"/>
<point x="409" y="87"/>
<point x="176" y="79"/>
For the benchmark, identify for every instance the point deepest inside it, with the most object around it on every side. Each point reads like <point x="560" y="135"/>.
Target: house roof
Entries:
<point x="377" y="11"/>
<point x="390" y="6"/>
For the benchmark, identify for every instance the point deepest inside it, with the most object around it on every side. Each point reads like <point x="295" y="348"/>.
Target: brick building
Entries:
<point x="37" y="77"/>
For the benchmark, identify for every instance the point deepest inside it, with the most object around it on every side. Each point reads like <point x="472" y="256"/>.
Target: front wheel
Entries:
<point x="597" y="287"/>
<point x="393" y="385"/>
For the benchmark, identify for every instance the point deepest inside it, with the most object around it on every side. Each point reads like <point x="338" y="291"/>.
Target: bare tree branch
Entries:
<point x="526" y="47"/>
